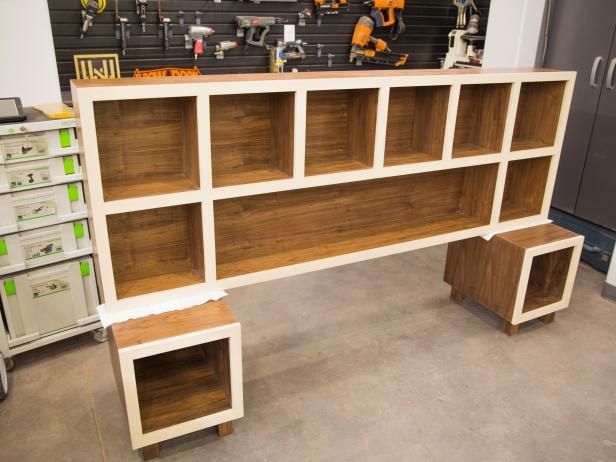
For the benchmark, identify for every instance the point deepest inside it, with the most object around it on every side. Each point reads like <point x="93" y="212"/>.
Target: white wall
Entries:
<point x="27" y="56"/>
<point x="514" y="29"/>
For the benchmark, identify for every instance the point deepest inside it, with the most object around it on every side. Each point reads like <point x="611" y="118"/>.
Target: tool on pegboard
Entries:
<point x="366" y="48"/>
<point x="330" y="59"/>
<point x="165" y="28"/>
<point x="122" y="29"/>
<point x="91" y="8"/>
<point x="329" y="7"/>
<point x="256" y="28"/>
<point x="221" y="47"/>
<point x="463" y="7"/>
<point x="142" y="11"/>
<point x="320" y="47"/>
<point x="394" y="9"/>
<point x="302" y="16"/>
<point x="195" y="39"/>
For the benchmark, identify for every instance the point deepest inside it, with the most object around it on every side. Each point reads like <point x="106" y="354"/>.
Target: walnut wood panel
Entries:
<point x="147" y="146"/>
<point x="272" y="230"/>
<point x="548" y="275"/>
<point x="171" y="324"/>
<point x="480" y="121"/>
<point x="524" y="188"/>
<point x="416" y="124"/>
<point x="158" y="249"/>
<point x="252" y="137"/>
<point x="486" y="271"/>
<point x="182" y="385"/>
<point x="340" y="130"/>
<point x="536" y="236"/>
<point x="537" y="115"/>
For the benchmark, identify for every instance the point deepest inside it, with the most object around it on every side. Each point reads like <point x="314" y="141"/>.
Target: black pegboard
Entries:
<point x="427" y="24"/>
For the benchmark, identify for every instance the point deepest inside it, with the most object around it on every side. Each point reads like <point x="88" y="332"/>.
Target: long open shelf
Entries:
<point x="182" y="385"/>
<point x="157" y="249"/>
<point x="340" y="130"/>
<point x="147" y="146"/>
<point x="416" y="124"/>
<point x="480" y="121"/>
<point x="548" y="276"/>
<point x="524" y="188"/>
<point x="272" y="230"/>
<point x="251" y="137"/>
<point x="537" y="115"/>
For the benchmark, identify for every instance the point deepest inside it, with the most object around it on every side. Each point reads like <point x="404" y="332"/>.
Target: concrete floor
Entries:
<point x="368" y="362"/>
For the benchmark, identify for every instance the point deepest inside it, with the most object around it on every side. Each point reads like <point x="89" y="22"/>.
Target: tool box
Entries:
<point x="39" y="247"/>
<point x="48" y="300"/>
<point x="37" y="145"/>
<point x="39" y="174"/>
<point x="41" y="207"/>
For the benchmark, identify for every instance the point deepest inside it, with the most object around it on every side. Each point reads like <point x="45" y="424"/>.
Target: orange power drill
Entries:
<point x="394" y="19"/>
<point x="366" y="48"/>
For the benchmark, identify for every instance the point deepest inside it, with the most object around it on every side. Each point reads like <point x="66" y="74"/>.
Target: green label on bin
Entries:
<point x="3" y="248"/>
<point x="65" y="138"/>
<point x="79" y="231"/>
<point x="84" y="266"/>
<point x="9" y="287"/>
<point x="73" y="193"/>
<point x="69" y="166"/>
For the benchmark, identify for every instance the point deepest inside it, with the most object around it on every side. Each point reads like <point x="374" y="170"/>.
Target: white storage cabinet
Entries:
<point x="41" y="207"/>
<point x="39" y="247"/>
<point x="48" y="300"/>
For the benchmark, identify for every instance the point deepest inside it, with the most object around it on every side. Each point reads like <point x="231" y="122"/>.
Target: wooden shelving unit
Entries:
<point x="480" y="124"/>
<point x="252" y="137"/>
<point x="340" y="129"/>
<point x="178" y="372"/>
<point x="537" y="116"/>
<point x="416" y="121"/>
<point x="157" y="249"/>
<point x="369" y="163"/>
<point x="519" y="275"/>
<point x="525" y="188"/>
<point x="147" y="146"/>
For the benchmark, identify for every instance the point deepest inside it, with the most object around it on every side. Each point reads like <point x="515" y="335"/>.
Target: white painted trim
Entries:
<point x="381" y="128"/>
<point x="299" y="135"/>
<point x="450" y="124"/>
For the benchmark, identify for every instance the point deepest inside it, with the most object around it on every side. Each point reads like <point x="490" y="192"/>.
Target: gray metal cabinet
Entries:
<point x="580" y="38"/>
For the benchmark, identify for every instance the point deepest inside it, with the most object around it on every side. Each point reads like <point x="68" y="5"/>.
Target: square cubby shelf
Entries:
<point x="416" y="124"/>
<point x="547" y="279"/>
<point x="156" y="249"/>
<point x="340" y="130"/>
<point x="147" y="146"/>
<point x="538" y="114"/>
<point x="480" y="121"/>
<point x="525" y="188"/>
<point x="252" y="137"/>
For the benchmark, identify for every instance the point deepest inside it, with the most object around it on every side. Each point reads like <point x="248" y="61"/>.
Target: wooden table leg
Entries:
<point x="510" y="329"/>
<point x="548" y="318"/>
<point x="456" y="295"/>
<point x="151" y="452"/>
<point x="225" y="429"/>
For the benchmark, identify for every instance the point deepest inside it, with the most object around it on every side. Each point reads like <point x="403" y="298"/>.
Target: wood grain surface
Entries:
<point x="524" y="188"/>
<point x="480" y="121"/>
<point x="147" y="146"/>
<point x="416" y="124"/>
<point x="251" y="137"/>
<point x="548" y="275"/>
<point x="171" y="324"/>
<point x="340" y="130"/>
<point x="537" y="115"/>
<point x="272" y="230"/>
<point x="182" y="385"/>
<point x="158" y="249"/>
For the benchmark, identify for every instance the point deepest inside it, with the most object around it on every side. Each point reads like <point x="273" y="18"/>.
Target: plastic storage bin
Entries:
<point x="38" y="145"/>
<point x="40" y="247"/>
<point x="47" y="300"/>
<point x="41" y="207"/>
<point x="39" y="174"/>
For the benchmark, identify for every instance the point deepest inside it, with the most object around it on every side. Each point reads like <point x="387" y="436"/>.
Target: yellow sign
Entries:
<point x="168" y="72"/>
<point x="102" y="4"/>
<point x="103" y="66"/>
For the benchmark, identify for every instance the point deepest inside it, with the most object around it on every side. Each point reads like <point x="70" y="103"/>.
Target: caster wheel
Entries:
<point x="100" y="335"/>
